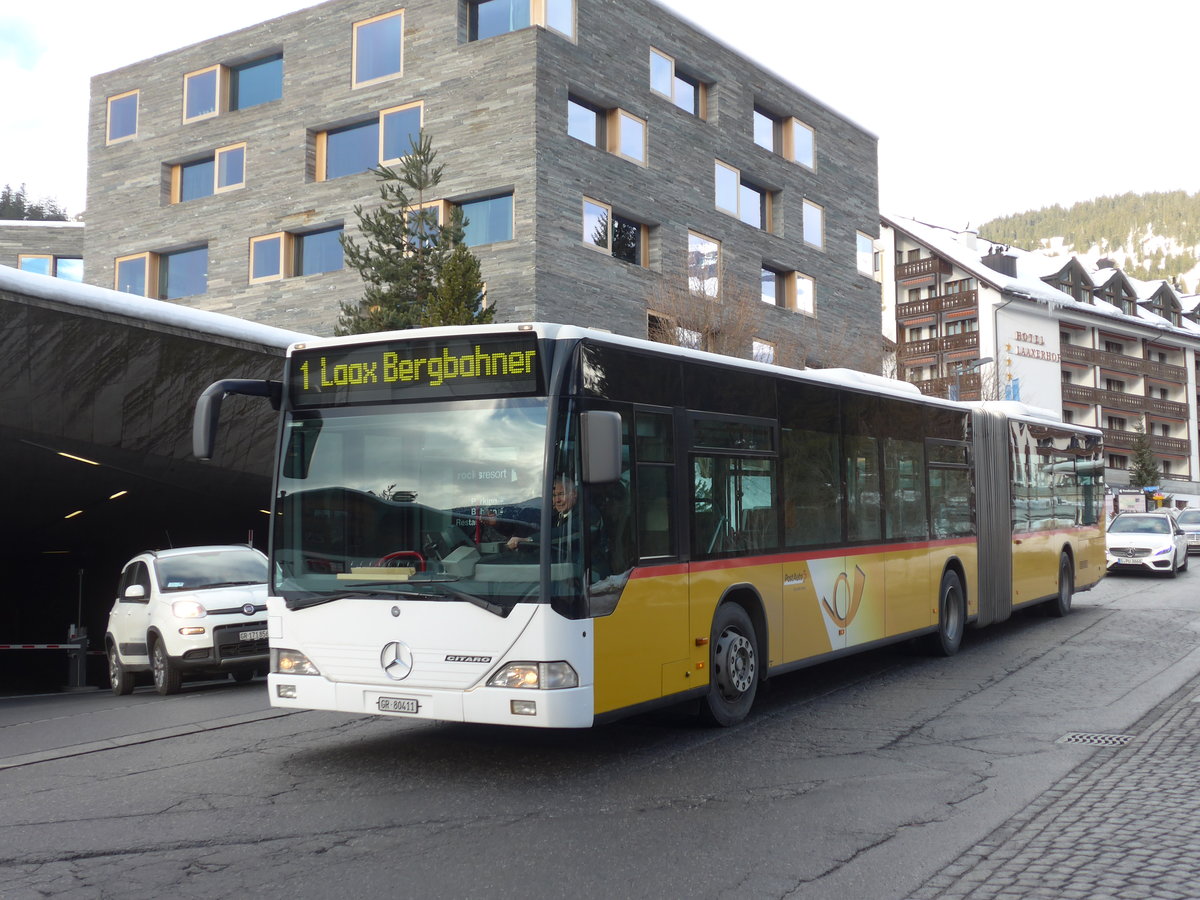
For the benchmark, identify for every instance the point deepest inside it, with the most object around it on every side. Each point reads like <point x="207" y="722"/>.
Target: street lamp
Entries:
<point x="956" y="388"/>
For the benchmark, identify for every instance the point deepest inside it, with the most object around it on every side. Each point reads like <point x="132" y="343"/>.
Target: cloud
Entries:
<point x="19" y="43"/>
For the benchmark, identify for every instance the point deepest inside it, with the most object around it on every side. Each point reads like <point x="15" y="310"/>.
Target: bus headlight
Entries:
<point x="546" y="676"/>
<point x="291" y="662"/>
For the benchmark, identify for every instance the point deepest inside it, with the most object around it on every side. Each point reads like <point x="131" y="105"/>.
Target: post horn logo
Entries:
<point x="845" y="605"/>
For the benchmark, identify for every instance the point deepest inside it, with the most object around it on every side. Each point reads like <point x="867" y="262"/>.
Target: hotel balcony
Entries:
<point x="1077" y="393"/>
<point x="951" y="343"/>
<point x="943" y="303"/>
<point x="1119" y="362"/>
<point x="1160" y="444"/>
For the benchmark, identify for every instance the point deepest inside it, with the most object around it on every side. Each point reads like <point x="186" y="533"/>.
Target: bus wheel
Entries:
<point x="733" y="667"/>
<point x="952" y="617"/>
<point x="1059" y="606"/>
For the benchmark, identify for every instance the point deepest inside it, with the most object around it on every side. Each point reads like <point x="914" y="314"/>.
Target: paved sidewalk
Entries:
<point x="1125" y="825"/>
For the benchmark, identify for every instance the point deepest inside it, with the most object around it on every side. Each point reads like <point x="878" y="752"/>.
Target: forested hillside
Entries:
<point x="1149" y="236"/>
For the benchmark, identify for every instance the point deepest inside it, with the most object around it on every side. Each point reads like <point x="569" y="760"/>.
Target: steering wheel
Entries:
<point x="390" y="558"/>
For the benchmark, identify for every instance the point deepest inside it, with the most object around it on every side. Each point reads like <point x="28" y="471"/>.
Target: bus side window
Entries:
<point x="655" y="477"/>
<point x="862" y="488"/>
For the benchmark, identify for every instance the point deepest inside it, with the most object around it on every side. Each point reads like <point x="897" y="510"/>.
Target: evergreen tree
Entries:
<point x="417" y="270"/>
<point x="1144" y="471"/>
<point x="15" y="204"/>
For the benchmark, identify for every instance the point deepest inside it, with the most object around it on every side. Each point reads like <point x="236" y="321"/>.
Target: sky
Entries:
<point x="981" y="109"/>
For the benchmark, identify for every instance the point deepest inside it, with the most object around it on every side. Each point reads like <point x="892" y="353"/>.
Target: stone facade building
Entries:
<point x="43" y="247"/>
<point x="607" y="154"/>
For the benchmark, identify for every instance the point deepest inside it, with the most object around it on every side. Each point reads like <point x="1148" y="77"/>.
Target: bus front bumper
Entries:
<point x="565" y="708"/>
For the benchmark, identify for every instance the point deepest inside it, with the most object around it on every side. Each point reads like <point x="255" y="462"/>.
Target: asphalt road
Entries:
<point x="858" y="779"/>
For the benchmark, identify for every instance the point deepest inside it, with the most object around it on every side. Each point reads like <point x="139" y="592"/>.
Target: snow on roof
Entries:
<point x="957" y="247"/>
<point x="159" y="312"/>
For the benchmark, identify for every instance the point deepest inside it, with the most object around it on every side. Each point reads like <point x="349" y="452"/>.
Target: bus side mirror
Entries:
<point x="600" y="431"/>
<point x="208" y="408"/>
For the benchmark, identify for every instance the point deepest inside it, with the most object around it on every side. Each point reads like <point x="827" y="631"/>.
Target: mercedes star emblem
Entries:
<point x="397" y="660"/>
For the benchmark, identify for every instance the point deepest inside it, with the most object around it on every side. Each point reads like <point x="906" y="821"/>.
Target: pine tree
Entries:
<point x="15" y="204"/>
<point x="417" y="269"/>
<point x="1144" y="471"/>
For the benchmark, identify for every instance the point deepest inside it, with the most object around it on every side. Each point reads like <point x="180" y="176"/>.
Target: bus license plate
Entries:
<point x="252" y="635"/>
<point x="398" y="704"/>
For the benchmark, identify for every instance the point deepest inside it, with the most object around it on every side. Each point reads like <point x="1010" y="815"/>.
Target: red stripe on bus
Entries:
<point x="715" y="565"/>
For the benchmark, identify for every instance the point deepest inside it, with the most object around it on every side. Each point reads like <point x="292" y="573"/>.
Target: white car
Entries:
<point x="192" y="610"/>
<point x="1151" y="541"/>
<point x="1189" y="521"/>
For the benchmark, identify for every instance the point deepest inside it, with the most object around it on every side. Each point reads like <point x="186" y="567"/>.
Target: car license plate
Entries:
<point x="252" y="635"/>
<point x="398" y="704"/>
<point x="1129" y="562"/>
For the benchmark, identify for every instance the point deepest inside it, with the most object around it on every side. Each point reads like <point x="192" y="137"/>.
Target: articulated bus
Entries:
<point x="551" y="526"/>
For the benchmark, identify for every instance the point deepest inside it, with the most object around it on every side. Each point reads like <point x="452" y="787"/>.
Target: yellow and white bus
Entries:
<point x="551" y="526"/>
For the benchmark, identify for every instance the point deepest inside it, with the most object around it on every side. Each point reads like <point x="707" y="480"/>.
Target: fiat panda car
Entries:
<point x="188" y="611"/>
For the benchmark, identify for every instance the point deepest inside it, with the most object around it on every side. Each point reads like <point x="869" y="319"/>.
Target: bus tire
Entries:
<point x="1059" y="606"/>
<point x="952" y="617"/>
<point x="733" y="667"/>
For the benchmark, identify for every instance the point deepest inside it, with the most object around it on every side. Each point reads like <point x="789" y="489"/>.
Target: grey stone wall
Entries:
<point x="40" y="238"/>
<point x="497" y="112"/>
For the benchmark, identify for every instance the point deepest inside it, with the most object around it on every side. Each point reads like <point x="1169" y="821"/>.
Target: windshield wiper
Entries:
<point x="448" y="593"/>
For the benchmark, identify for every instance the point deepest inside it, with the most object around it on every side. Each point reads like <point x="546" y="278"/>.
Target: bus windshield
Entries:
<point x="418" y="501"/>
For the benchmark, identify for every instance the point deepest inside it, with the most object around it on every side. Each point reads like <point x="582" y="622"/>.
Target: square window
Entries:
<point x="772" y="286"/>
<point x="814" y="224"/>
<point x="69" y="268"/>
<point x="196" y="179"/>
<point x="200" y="93"/>
<point x="704" y="264"/>
<point x="131" y="274"/>
<point x="318" y="251"/>
<point x="763" y="352"/>
<point x="488" y="220"/>
<point x="122" y="117"/>
<point x="489" y="18"/>
<point x="740" y="198"/>
<point x="257" y="82"/>
<point x="378" y="48"/>
<point x="231" y="167"/>
<point x="596" y="219"/>
<point x="605" y="230"/>
<point x="351" y="150"/>
<point x="865" y="253"/>
<point x="806" y="294"/>
<point x="628" y="138"/>
<point x="183" y="273"/>
<point x="662" y="72"/>
<point x="685" y="92"/>
<point x="266" y="257"/>
<point x="560" y="17"/>
<point x="766" y="130"/>
<point x="803" y="144"/>
<point x="400" y="132"/>
<point x="584" y="122"/>
<point x="35" y="263"/>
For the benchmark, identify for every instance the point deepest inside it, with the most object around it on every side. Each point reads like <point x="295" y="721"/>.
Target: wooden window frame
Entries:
<point x="49" y="257"/>
<point x="767" y="207"/>
<point x="109" y="140"/>
<point x="613" y="131"/>
<point x="701" y="87"/>
<point x="383" y="113"/>
<point x="221" y="90"/>
<point x="177" y="173"/>
<point x="285" y="253"/>
<point x="354" y="82"/>
<point x="150" y="272"/>
<point x="789" y="142"/>
<point x="643" y="233"/>
<point x="806" y="204"/>
<point x="539" y="15"/>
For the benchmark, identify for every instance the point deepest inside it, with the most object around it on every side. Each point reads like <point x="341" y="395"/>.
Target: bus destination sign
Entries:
<point x="425" y="369"/>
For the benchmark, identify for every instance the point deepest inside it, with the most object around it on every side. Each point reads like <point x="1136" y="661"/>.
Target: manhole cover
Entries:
<point x="1095" y="740"/>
